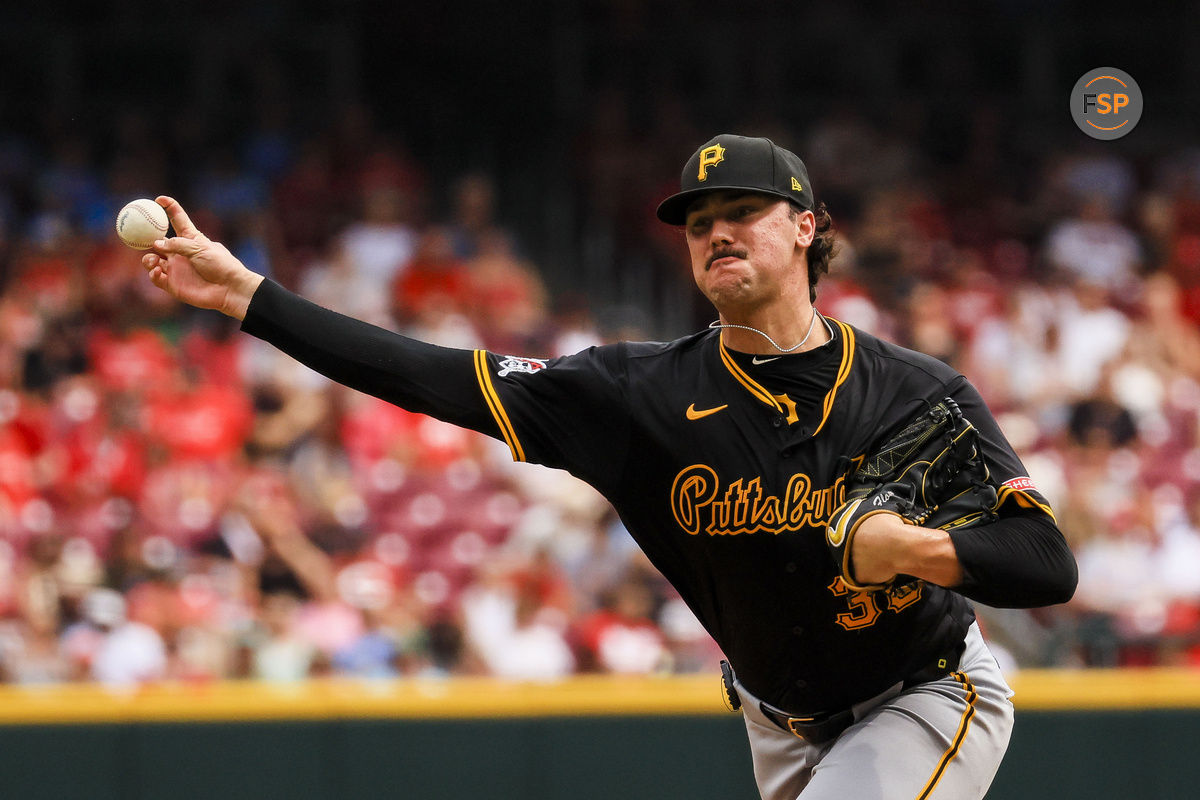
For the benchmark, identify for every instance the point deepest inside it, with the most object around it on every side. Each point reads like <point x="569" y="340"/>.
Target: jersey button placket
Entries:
<point x="796" y="437"/>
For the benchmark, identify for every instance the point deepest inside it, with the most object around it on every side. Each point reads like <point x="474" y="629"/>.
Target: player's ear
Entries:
<point x="806" y="228"/>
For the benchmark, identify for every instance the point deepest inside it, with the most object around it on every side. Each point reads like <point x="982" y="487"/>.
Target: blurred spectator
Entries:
<point x="380" y="245"/>
<point x="434" y="282"/>
<point x="1095" y="248"/>
<point x="303" y="635"/>
<point x="280" y="655"/>
<point x="1100" y="422"/>
<point x="129" y="652"/>
<point x="309" y="200"/>
<point x="507" y="296"/>
<point x="331" y="280"/>
<point x="1011" y="354"/>
<point x="1168" y="340"/>
<point x="622" y="637"/>
<point x="474" y="213"/>
<point x="1089" y="334"/>
<point x="517" y="632"/>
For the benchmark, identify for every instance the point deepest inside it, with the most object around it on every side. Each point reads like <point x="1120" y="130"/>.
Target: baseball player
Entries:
<point x="726" y="453"/>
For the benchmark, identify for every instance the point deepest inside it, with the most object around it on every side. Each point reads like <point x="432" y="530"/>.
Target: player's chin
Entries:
<point x="725" y="288"/>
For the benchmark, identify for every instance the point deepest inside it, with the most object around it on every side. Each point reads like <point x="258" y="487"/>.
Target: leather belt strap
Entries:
<point x="815" y="728"/>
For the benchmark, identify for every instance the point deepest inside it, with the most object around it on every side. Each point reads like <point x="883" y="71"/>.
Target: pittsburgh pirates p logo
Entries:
<point x="710" y="157"/>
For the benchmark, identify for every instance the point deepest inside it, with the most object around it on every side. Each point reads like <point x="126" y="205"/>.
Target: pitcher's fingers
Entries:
<point x="158" y="278"/>
<point x="180" y="221"/>
<point x="180" y="245"/>
<point x="152" y="260"/>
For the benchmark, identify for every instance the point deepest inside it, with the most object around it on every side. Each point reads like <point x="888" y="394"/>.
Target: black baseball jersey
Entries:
<point x="725" y="468"/>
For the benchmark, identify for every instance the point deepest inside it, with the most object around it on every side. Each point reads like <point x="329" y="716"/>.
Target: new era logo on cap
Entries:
<point x="729" y="161"/>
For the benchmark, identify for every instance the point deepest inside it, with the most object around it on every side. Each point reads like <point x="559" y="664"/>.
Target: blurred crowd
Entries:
<point x="180" y="501"/>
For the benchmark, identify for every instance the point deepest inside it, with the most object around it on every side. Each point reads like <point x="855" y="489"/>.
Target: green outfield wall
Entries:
<point x="1078" y="735"/>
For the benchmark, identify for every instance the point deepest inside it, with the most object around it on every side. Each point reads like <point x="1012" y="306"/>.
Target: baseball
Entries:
<point x="140" y="223"/>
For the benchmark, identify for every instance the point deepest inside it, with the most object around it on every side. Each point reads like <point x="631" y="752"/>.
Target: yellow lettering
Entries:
<point x="766" y="514"/>
<point x="819" y="506"/>
<point x="862" y="611"/>
<point x="734" y="515"/>
<point x="694" y="488"/>
<point x="901" y="597"/>
<point x="710" y="157"/>
<point x="721" y="513"/>
<point x="793" y="504"/>
<point x="699" y="503"/>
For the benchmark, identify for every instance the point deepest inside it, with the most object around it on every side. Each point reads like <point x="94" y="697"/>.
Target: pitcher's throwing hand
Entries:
<point x="200" y="272"/>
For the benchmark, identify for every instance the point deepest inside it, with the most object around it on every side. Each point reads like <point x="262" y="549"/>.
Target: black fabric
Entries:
<point x="1016" y="562"/>
<point x="417" y="376"/>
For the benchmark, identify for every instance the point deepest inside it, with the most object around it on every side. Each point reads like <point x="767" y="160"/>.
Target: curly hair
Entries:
<point x="823" y="247"/>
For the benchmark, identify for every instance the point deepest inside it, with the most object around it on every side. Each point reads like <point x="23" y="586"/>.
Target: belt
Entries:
<point x="815" y="728"/>
<point x="828" y="725"/>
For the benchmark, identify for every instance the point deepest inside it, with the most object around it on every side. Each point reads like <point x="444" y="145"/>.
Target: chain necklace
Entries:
<point x="812" y="323"/>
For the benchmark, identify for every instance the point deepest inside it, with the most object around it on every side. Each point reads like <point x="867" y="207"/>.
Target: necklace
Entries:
<point x="812" y="323"/>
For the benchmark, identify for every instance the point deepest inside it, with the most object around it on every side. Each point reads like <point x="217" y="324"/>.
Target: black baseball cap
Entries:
<point x="729" y="161"/>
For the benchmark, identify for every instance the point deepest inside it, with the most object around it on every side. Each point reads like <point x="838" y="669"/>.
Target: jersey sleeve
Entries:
<point x="1022" y="559"/>
<point x="567" y="412"/>
<point x="415" y="375"/>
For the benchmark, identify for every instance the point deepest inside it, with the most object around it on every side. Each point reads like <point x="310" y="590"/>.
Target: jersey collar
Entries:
<point x="760" y="393"/>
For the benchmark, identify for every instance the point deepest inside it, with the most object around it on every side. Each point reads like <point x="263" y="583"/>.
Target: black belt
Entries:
<point x="815" y="728"/>
<point x="828" y="725"/>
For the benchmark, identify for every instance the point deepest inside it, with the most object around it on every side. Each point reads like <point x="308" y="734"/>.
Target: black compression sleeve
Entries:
<point x="414" y="375"/>
<point x="1016" y="562"/>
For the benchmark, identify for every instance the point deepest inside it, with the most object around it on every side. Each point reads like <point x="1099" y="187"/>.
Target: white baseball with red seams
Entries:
<point x="140" y="223"/>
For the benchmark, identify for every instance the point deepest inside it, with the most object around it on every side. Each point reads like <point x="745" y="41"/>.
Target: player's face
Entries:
<point x="747" y="250"/>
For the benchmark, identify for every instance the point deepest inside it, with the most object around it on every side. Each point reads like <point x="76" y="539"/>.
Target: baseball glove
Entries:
<point x="931" y="473"/>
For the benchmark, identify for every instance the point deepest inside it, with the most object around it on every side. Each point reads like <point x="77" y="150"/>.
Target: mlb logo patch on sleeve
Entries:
<point x="516" y="364"/>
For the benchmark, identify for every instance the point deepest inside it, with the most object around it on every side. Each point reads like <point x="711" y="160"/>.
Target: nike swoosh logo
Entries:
<point x="693" y="414"/>
<point x="757" y="360"/>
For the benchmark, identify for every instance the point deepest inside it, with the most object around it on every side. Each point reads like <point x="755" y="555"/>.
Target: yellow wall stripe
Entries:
<point x="1106" y="689"/>
<point x="334" y="698"/>
<point x="754" y="386"/>
<point x="476" y="698"/>
<point x="497" y="408"/>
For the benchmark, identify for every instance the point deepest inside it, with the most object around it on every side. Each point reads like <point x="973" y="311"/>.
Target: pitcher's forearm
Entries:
<point x="886" y="546"/>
